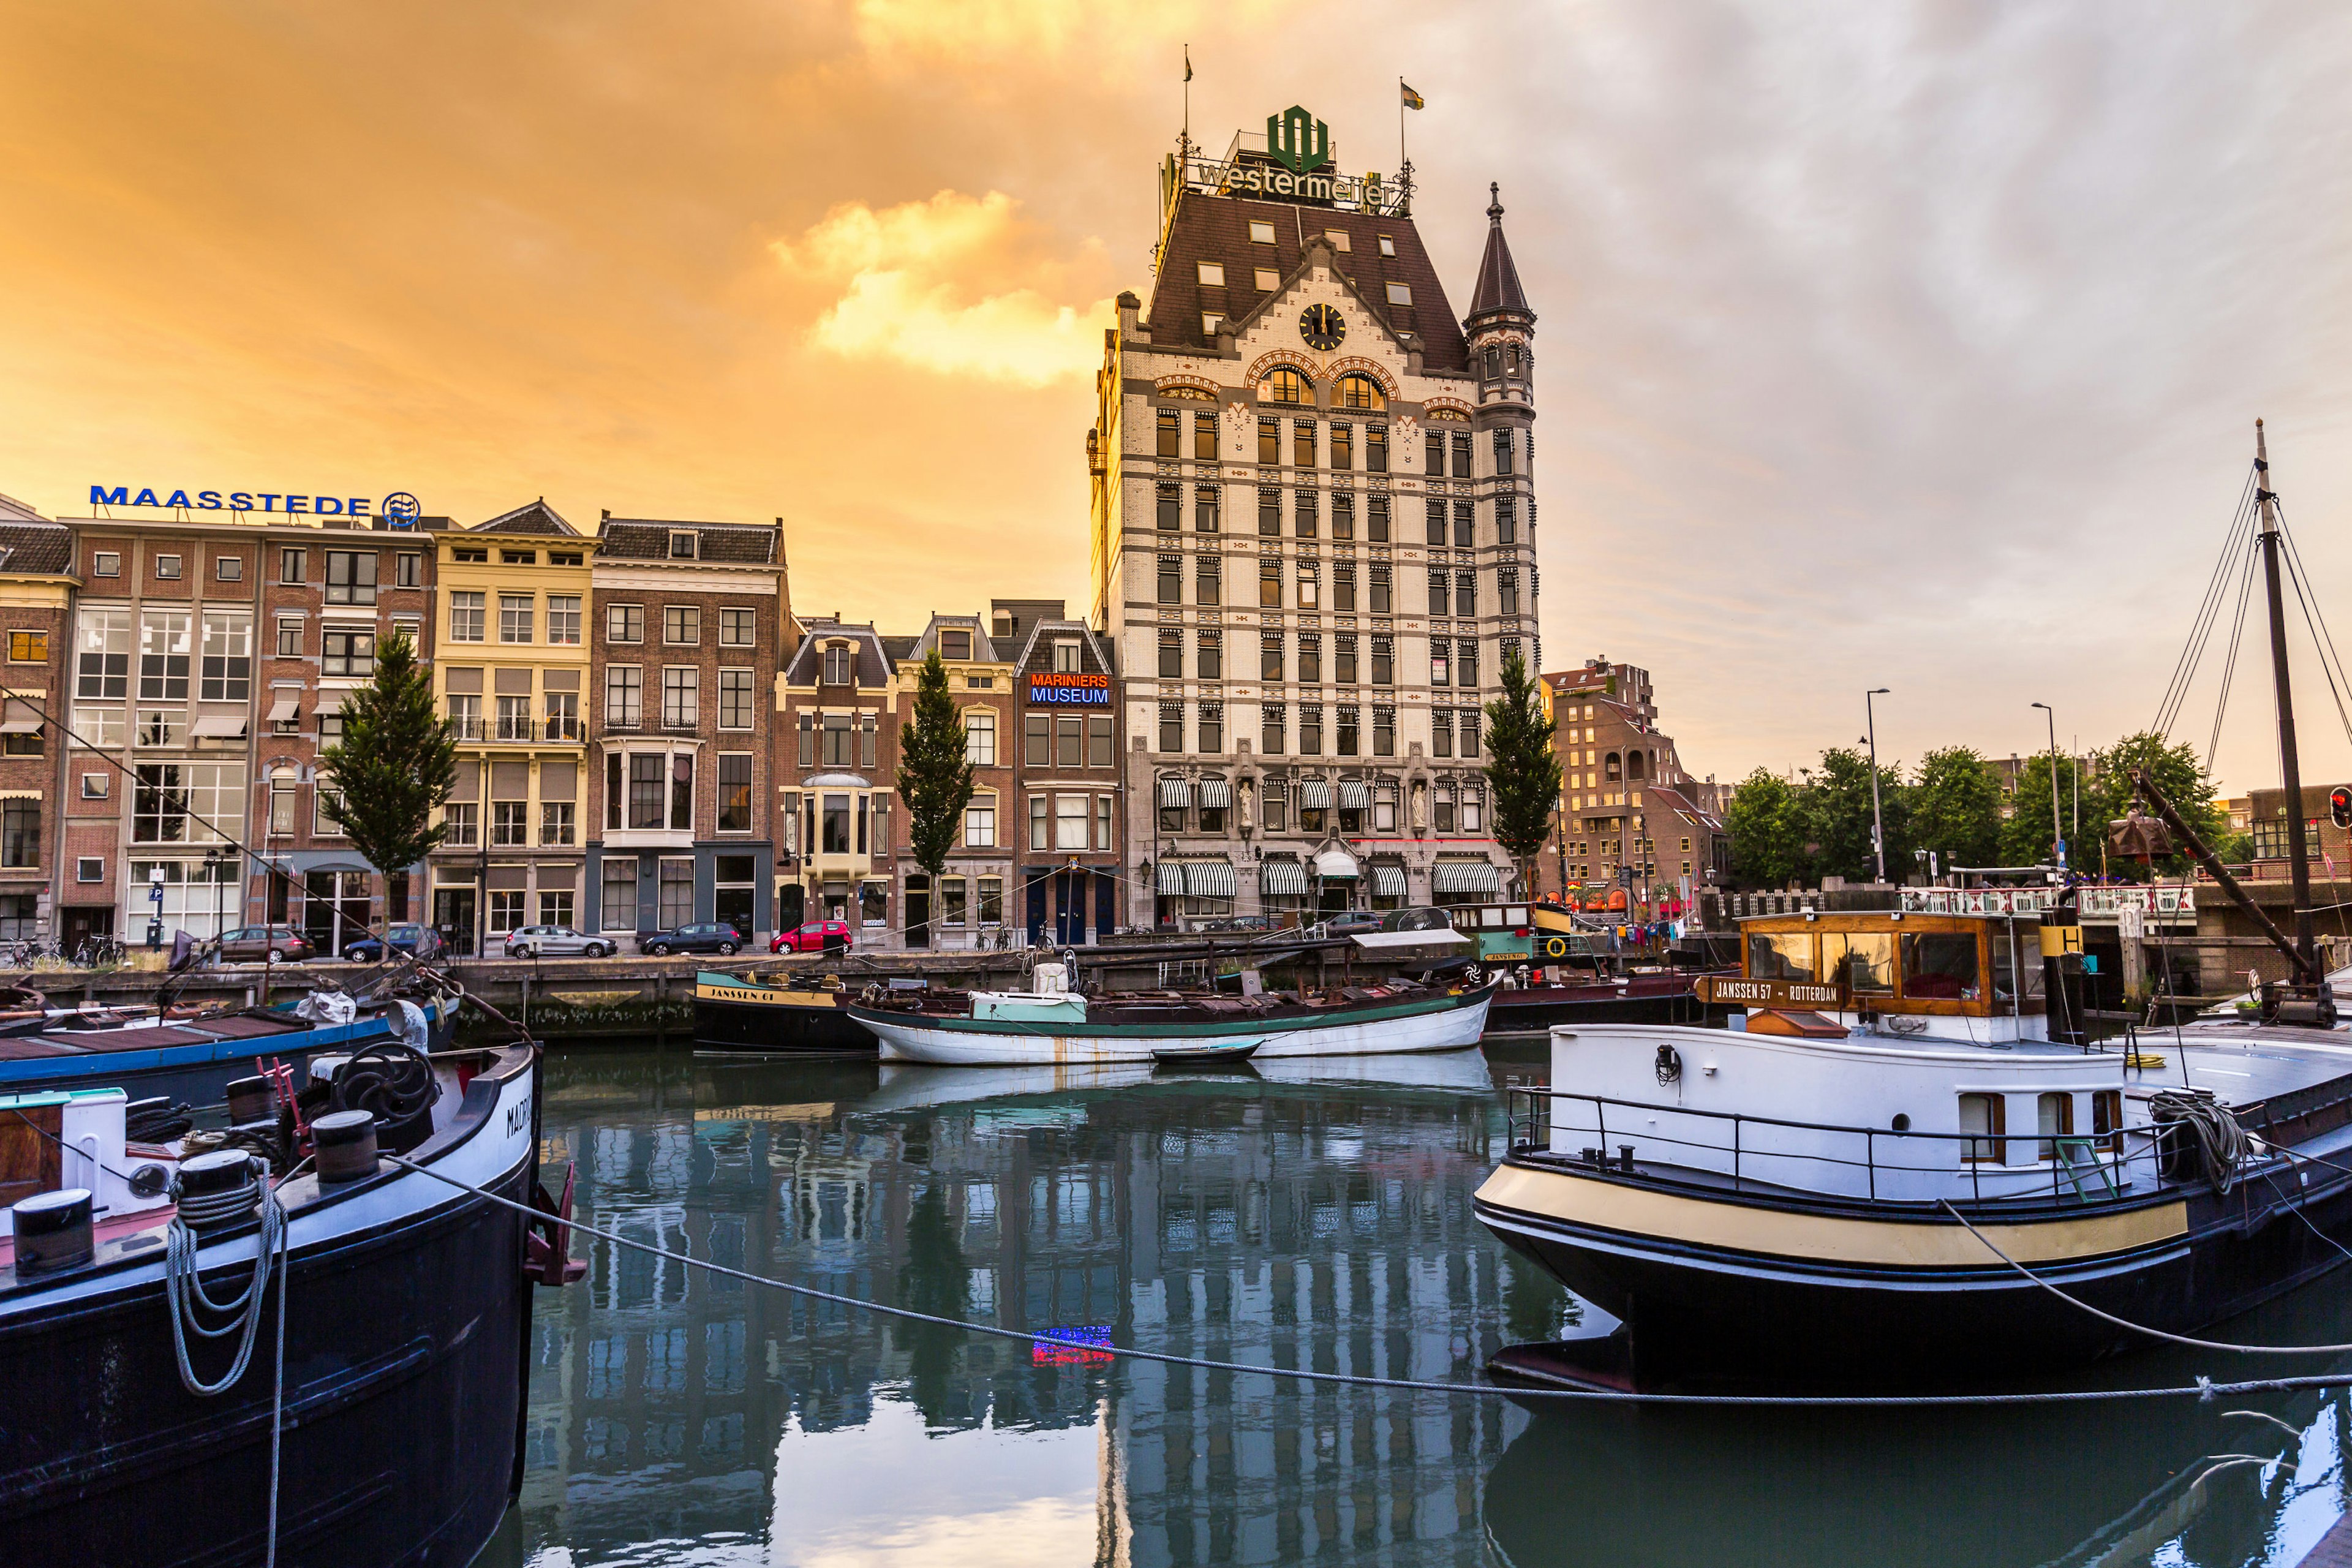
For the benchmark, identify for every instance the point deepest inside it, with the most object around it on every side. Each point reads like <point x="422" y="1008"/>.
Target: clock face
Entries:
<point x="1322" y="326"/>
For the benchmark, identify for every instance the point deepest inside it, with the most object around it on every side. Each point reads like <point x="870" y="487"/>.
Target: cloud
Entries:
<point x="913" y="283"/>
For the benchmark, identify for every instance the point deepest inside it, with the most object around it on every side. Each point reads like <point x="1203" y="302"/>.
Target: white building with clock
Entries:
<point x="1313" y="541"/>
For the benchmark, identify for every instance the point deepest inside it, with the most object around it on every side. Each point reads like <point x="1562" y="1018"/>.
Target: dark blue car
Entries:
<point x="710" y="936"/>
<point x="422" y="941"/>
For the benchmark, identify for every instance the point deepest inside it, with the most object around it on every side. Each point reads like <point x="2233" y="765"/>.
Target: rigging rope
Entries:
<point x="2184" y="672"/>
<point x="2204" y="1389"/>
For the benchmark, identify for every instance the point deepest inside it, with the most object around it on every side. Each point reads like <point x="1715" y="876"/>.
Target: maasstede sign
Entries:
<point x="399" y="506"/>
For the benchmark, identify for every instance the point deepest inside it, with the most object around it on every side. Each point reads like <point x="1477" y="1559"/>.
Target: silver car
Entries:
<point x="555" y="941"/>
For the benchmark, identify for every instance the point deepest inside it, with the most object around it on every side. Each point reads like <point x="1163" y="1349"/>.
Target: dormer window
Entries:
<point x="1399" y="294"/>
<point x="1387" y="245"/>
<point x="955" y="645"/>
<point x="681" y="544"/>
<point x="1267" y="279"/>
<point x="1066" y="656"/>
<point x="1213" y="274"/>
<point x="1261" y="233"/>
<point x="1338" y="239"/>
<point x="837" y="665"/>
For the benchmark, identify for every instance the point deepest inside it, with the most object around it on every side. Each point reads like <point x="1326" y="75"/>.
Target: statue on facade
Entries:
<point x="1248" y="788"/>
<point x="1420" y="804"/>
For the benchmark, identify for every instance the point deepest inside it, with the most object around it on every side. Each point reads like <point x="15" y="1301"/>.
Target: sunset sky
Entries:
<point x="1914" y="345"/>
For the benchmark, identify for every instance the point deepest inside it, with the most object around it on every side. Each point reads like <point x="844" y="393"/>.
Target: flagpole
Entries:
<point x="1185" y="142"/>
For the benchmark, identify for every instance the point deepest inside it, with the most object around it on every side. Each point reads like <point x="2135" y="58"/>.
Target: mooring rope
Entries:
<point x="2204" y="1389"/>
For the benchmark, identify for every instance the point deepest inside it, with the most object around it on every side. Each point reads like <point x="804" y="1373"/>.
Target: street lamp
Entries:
<point x="1877" y="820"/>
<point x="2057" y="832"/>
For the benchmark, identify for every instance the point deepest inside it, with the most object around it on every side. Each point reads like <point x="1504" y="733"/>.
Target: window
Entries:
<point x="103" y="654"/>
<point x="1069" y="743"/>
<point x="1072" y="818"/>
<point x="980" y="822"/>
<point x="1465" y="593"/>
<point x="1359" y="391"/>
<point x="681" y="544"/>
<point x="1269" y="440"/>
<point x="1269" y="511"/>
<point x="228" y="568"/>
<point x="1271" y="728"/>
<point x="1213" y="726"/>
<point x="1343" y="659"/>
<point x="1204" y="437"/>
<point x="1171" y="726"/>
<point x="1503" y="445"/>
<point x="164" y="656"/>
<point x="1507" y="590"/>
<point x="1343" y="514"/>
<point x="1507" y="520"/>
<point x="2107" y="1118"/>
<point x="1283" y="384"/>
<point x="1269" y="655"/>
<point x="1211" y="322"/>
<point x="1170" y="585"/>
<point x="1435" y="522"/>
<point x="1213" y="273"/>
<point x="20" y="833"/>
<point x="1265" y="278"/>
<point x="465" y="715"/>
<point x="1343" y="587"/>
<point x="1306" y="513"/>
<point x="350" y="577"/>
<point x="734" y="791"/>
<point x="1465" y="524"/>
<point x="557" y="823"/>
<point x="1310" y="728"/>
<point x="474" y="555"/>
<point x="1376" y="517"/>
<point x="1302" y="443"/>
<point x="226" y="675"/>
<point x="1380" y="593"/>
<point x="555" y="905"/>
<point x="1269" y="582"/>
<point x="291" y="565"/>
<point x="677" y="894"/>
<point x="1105" y="809"/>
<point x="467" y="614"/>
<point x="622" y="622"/>
<point x="408" y="570"/>
<point x="1462" y="454"/>
<point x="1311" y="586"/>
<point x="1441" y="732"/>
<point x="618" y="902"/>
<point x="510" y="822"/>
<point x="648" y="805"/>
<point x="840" y="663"/>
<point x="1170" y="508"/>
<point x="1066" y="656"/>
<point x="1399" y="294"/>
<point x="1473" y="799"/>
<point x="1210" y="661"/>
<point x="518" y="557"/>
<point x="681" y="625"/>
<point x="840" y="740"/>
<point x="289" y="637"/>
<point x="1170" y="433"/>
<point x="1983" y="1115"/>
<point x="1470" y="732"/>
<point x="1310" y="655"/>
<point x="1261" y="233"/>
<point x="737" y="628"/>
<point x="90" y="868"/>
<point x="1384" y="745"/>
<point x="1383" y="660"/>
<point x="624" y="686"/>
<point x="1375" y="449"/>
<point x="514" y="718"/>
<point x="564" y="619"/>
<point x="1209" y="581"/>
<point x="734" y="698"/>
<point x="167" y="568"/>
<point x="1465" y="662"/>
<point x="97" y="786"/>
<point x="1098" y="741"/>
<point x="105" y="564"/>
<point x="681" y="697"/>
<point x="979" y="738"/>
<point x="1440" y="581"/>
<point x="514" y="617"/>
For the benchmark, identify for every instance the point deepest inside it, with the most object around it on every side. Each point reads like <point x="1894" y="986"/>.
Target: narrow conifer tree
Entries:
<point x="395" y="766"/>
<point x="1522" y="769"/>
<point x="935" y="773"/>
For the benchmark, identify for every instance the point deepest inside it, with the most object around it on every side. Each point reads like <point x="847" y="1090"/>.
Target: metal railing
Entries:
<point x="2108" y="1168"/>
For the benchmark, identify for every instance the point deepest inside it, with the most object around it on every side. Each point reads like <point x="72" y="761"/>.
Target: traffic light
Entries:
<point x="2339" y="806"/>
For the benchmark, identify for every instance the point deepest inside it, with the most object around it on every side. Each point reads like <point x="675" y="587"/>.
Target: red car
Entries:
<point x="816" y="936"/>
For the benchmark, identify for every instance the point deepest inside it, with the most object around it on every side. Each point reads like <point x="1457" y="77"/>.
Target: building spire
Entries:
<point x="1499" y="291"/>
<point x="1495" y="206"/>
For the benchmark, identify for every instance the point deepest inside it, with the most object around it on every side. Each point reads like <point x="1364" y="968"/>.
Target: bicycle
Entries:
<point x="99" y="952"/>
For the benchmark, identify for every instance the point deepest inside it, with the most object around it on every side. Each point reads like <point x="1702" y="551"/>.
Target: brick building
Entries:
<point x="35" y="607"/>
<point x="835" y="750"/>
<point x="514" y="595"/>
<point x="689" y="626"/>
<point x="1068" y="804"/>
<point x="1626" y="802"/>
<point x="968" y="907"/>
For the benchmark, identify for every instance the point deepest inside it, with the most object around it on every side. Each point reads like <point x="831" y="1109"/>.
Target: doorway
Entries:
<point x="1070" y="907"/>
<point x="919" y="909"/>
<point x="453" y="916"/>
<point x="334" y="909"/>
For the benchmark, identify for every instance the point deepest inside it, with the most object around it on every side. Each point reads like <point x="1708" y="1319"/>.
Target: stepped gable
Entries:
<point x="1216" y="228"/>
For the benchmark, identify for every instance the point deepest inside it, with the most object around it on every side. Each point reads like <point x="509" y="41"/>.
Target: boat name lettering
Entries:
<point x="1773" y="993"/>
<point x="518" y="1118"/>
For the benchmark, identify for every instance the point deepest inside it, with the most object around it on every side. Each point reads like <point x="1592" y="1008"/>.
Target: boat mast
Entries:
<point x="2290" y="766"/>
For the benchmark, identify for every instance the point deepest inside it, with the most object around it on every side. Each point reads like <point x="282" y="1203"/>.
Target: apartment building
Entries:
<point x="836" y="750"/>
<point x="1636" y="828"/>
<point x="36" y="586"/>
<point x="511" y="674"/>
<point x="687" y="628"/>
<point x="1069" y="797"/>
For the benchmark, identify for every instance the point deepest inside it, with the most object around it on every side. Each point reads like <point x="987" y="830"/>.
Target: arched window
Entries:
<point x="1360" y="392"/>
<point x="1633" y="765"/>
<point x="1612" y="767"/>
<point x="1286" y="385"/>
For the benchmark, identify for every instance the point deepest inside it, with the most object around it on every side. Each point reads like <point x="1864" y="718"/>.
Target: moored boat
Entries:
<point x="1054" y="1024"/>
<point x="741" y="1016"/>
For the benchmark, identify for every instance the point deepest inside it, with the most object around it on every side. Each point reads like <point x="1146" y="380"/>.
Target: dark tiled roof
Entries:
<point x="900" y="648"/>
<point x="647" y="539"/>
<point x="1216" y="228"/>
<point x="1680" y="804"/>
<point x="44" y="549"/>
<point x="1498" y="279"/>
<point x="877" y="661"/>
<point x="535" y="517"/>
<point x="983" y="647"/>
<point x="1099" y="659"/>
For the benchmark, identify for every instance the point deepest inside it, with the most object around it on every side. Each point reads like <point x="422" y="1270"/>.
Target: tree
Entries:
<point x="1767" y="842"/>
<point x="1834" y="806"/>
<point x="394" y="767"/>
<point x="935" y="771"/>
<point x="1523" y="770"/>
<point x="2183" y="781"/>
<point x="2025" y="837"/>
<point x="1956" y="807"/>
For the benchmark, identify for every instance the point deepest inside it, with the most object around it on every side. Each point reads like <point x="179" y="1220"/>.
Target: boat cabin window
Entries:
<point x="1941" y="966"/>
<point x="1981" y="1114"/>
<point x="2107" y="1118"/>
<point x="2055" y="1116"/>
<point x="1780" y="956"/>
<point x="1864" y="961"/>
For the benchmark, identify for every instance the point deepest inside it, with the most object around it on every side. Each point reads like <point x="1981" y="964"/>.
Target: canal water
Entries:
<point x="1293" y="1216"/>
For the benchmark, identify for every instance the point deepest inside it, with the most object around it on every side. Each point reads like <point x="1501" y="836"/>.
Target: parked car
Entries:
<point x="556" y="941"/>
<point x="1350" y="922"/>
<point x="252" y="944"/>
<point x="421" y="940"/>
<point x="708" y="937"/>
<point x="816" y="936"/>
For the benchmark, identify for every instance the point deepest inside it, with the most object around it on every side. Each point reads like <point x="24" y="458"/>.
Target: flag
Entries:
<point x="1188" y="62"/>
<point x="1412" y="99"/>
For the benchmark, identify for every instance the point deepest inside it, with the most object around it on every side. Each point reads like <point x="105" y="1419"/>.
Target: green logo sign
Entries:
<point x="1298" y="142"/>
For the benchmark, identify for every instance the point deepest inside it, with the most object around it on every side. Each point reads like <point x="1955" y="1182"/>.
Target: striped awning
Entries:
<point x="1355" y="795"/>
<point x="1168" y="879"/>
<point x="1216" y="792"/>
<point x="1465" y="877"/>
<point x="1175" y="792"/>
<point x="1315" y="795"/>
<point x="1210" y="878"/>
<point x="1388" y="881"/>
<point x="1281" y="879"/>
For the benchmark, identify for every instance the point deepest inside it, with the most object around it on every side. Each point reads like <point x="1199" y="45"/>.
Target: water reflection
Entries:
<point x="1283" y="1215"/>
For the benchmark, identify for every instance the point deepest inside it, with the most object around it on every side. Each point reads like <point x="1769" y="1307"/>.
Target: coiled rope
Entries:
<point x="2203" y="1389"/>
<point x="2220" y="1141"/>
